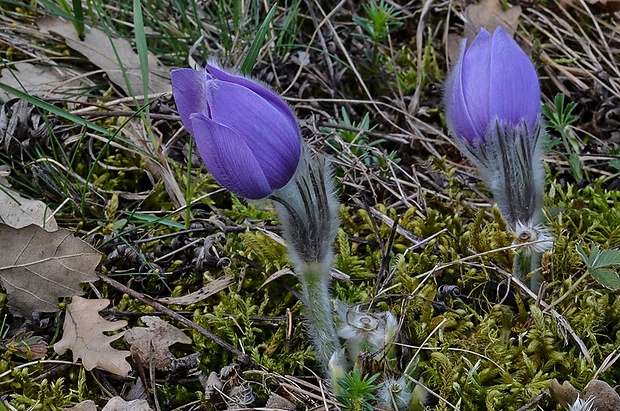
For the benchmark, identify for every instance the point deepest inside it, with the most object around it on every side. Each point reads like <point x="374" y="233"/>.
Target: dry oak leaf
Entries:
<point x="119" y="404"/>
<point x="153" y="344"/>
<point x="42" y="80"/>
<point x="489" y="14"/>
<point x="102" y="50"/>
<point x="38" y="267"/>
<point x="19" y="212"/>
<point x="83" y="334"/>
<point x="605" y="397"/>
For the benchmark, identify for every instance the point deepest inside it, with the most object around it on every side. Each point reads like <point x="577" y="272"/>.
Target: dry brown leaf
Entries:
<point x="88" y="405"/>
<point x="102" y="51"/>
<point x="19" y="212"/>
<point x="38" y="267"/>
<point x="83" y="334"/>
<point x="489" y="14"/>
<point x="208" y="290"/>
<point x="41" y="80"/>
<point x="153" y="344"/>
<point x="27" y="346"/>
<point x="119" y="404"/>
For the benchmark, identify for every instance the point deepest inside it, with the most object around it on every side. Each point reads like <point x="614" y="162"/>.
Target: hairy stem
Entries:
<point x="315" y="291"/>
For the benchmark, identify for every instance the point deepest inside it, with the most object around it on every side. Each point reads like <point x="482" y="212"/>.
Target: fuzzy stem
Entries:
<point x="315" y="292"/>
<point x="526" y="266"/>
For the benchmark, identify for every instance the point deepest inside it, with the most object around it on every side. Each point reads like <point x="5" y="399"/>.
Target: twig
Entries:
<point x="241" y="357"/>
<point x="567" y="293"/>
<point x="533" y="402"/>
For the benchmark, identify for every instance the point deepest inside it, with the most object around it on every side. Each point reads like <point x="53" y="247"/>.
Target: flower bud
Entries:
<point x="493" y="111"/>
<point x="246" y="135"/>
<point x="492" y="80"/>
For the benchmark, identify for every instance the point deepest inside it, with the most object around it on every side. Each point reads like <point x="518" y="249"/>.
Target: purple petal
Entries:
<point x="475" y="78"/>
<point x="229" y="158"/>
<point x="457" y="114"/>
<point x="513" y="79"/>
<point x="262" y="91"/>
<point x="189" y="90"/>
<point x="271" y="137"/>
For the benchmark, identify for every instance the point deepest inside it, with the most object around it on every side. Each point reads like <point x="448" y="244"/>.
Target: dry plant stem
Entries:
<point x="567" y="293"/>
<point x="535" y="401"/>
<point x="241" y="357"/>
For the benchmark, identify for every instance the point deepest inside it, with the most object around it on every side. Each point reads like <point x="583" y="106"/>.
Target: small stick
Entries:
<point x="241" y="357"/>
<point x="533" y="402"/>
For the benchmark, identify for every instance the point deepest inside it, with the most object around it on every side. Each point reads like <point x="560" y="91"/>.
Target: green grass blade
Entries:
<point x="143" y="51"/>
<point x="54" y="9"/>
<point x="78" y="14"/>
<point x="152" y="219"/>
<point x="56" y="110"/>
<point x="250" y="59"/>
<point x="44" y="105"/>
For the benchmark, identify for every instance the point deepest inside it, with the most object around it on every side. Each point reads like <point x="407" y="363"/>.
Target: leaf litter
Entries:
<point x="83" y="334"/>
<point x="152" y="344"/>
<point x="18" y="212"/>
<point x="113" y="55"/>
<point x="37" y="267"/>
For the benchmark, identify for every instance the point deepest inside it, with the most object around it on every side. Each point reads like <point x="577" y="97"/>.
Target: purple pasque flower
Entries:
<point x="247" y="136"/>
<point x="492" y="80"/>
<point x="492" y="102"/>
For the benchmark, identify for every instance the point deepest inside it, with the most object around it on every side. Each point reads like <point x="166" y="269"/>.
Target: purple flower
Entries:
<point x="492" y="80"/>
<point x="246" y="135"/>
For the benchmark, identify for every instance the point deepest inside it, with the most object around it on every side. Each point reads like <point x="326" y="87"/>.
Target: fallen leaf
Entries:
<point x="489" y="14"/>
<point x="29" y="347"/>
<point x="88" y="405"/>
<point x="83" y="334"/>
<point x="22" y="128"/>
<point x="240" y="396"/>
<point x="38" y="267"/>
<point x="102" y="51"/>
<point x="17" y="211"/>
<point x="41" y="80"/>
<point x="212" y="385"/>
<point x="119" y="404"/>
<point x="153" y="344"/>
<point x="208" y="290"/>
